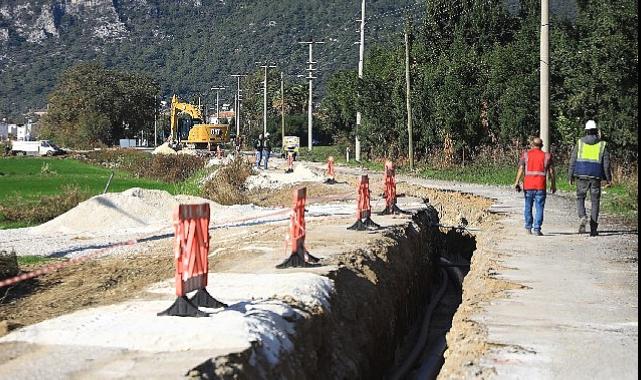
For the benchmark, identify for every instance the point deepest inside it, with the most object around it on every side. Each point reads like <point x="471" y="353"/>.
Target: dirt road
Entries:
<point x="569" y="309"/>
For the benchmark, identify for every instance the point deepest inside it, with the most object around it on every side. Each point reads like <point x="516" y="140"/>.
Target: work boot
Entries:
<point x="582" y="224"/>
<point x="538" y="233"/>
<point x="593" y="227"/>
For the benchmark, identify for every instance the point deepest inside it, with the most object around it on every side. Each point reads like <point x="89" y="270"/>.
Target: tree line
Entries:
<point x="475" y="80"/>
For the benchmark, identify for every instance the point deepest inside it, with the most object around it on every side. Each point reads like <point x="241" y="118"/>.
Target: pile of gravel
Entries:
<point x="132" y="209"/>
<point x="277" y="179"/>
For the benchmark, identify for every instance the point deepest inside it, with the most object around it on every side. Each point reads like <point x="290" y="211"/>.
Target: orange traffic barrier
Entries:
<point x="290" y="162"/>
<point x="299" y="256"/>
<point x="331" y="177"/>
<point x="191" y="252"/>
<point x="389" y="183"/>
<point x="364" y="208"/>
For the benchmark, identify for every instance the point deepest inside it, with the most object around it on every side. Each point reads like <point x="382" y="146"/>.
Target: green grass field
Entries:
<point x="26" y="178"/>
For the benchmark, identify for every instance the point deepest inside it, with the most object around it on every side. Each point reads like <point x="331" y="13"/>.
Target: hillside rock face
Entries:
<point x="37" y="21"/>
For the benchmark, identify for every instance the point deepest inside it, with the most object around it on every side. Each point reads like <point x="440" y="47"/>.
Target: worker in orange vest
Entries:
<point x="535" y="166"/>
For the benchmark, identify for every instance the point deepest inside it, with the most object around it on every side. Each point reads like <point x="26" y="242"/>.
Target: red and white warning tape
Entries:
<point x="54" y="267"/>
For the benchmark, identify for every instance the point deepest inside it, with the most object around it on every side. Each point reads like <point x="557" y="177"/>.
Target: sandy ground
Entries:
<point x="100" y="316"/>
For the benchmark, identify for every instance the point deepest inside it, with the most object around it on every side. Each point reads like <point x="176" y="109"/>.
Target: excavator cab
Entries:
<point x="185" y="124"/>
<point x="187" y="128"/>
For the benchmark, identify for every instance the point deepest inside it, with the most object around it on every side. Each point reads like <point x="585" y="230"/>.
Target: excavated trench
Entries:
<point x="378" y="312"/>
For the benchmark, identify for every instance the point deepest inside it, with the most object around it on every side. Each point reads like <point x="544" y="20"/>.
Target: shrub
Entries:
<point x="227" y="186"/>
<point x="159" y="167"/>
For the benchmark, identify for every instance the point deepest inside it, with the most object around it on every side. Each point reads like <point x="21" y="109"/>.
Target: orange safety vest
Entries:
<point x="536" y="164"/>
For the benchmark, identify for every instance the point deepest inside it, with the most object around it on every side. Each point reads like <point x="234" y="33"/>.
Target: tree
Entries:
<point x="92" y="105"/>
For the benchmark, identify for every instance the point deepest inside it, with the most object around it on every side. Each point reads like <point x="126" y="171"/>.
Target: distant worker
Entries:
<point x="258" y="147"/>
<point x="267" y="149"/>
<point x="238" y="143"/>
<point x="589" y="165"/>
<point x="535" y="166"/>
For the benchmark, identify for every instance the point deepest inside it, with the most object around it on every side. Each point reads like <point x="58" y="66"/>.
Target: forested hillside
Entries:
<point x="187" y="46"/>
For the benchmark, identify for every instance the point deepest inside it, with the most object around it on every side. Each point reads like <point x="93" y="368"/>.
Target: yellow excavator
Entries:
<point x="191" y="132"/>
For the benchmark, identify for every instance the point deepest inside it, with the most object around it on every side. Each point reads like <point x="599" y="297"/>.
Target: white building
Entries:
<point x="25" y="132"/>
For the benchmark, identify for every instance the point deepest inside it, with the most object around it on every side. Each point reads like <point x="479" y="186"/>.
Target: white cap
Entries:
<point x="590" y="124"/>
<point x="267" y="134"/>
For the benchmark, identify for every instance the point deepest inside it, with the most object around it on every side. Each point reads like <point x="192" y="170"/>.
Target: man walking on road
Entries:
<point x="589" y="165"/>
<point x="258" y="147"/>
<point x="267" y="149"/>
<point x="535" y="165"/>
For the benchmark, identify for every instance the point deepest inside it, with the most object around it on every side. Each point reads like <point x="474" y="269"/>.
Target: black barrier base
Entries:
<point x="289" y="171"/>
<point x="183" y="307"/>
<point x="311" y="258"/>
<point x="331" y="181"/>
<point x="394" y="210"/>
<point x="298" y="261"/>
<point x="365" y="224"/>
<point x="369" y="223"/>
<point x="202" y="298"/>
<point x="358" y="226"/>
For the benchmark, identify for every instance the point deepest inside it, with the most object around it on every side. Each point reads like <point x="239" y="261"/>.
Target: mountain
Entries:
<point x="188" y="46"/>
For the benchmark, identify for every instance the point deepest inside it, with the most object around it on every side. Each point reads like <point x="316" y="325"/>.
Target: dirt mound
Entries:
<point x="164" y="149"/>
<point x="278" y="179"/>
<point x="133" y="208"/>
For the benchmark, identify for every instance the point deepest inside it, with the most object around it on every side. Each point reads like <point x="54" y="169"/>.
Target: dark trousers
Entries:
<point x="582" y="188"/>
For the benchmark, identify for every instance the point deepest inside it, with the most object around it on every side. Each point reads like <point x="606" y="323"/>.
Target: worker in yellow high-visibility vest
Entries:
<point x="589" y="166"/>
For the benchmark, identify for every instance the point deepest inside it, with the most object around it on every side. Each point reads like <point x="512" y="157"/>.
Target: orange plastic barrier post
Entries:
<point x="299" y="256"/>
<point x="191" y="252"/>
<point x="389" y="182"/>
<point x="331" y="177"/>
<point x="290" y="162"/>
<point x="364" y="209"/>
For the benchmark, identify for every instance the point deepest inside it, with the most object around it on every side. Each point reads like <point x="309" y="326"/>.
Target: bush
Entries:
<point x="227" y="186"/>
<point x="46" y="208"/>
<point x="5" y="148"/>
<point x="159" y="167"/>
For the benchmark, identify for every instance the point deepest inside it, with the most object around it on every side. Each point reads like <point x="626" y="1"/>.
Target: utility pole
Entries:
<point x="265" y="66"/>
<point x="361" y="57"/>
<point x="310" y="77"/>
<point x="155" y="121"/>
<point x="545" y="75"/>
<point x="408" y="98"/>
<point x="238" y="99"/>
<point x="282" y="107"/>
<point x="217" y="89"/>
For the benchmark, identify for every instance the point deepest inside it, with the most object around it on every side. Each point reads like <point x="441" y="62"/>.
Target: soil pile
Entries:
<point x="279" y="179"/>
<point x="164" y="149"/>
<point x="134" y="208"/>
